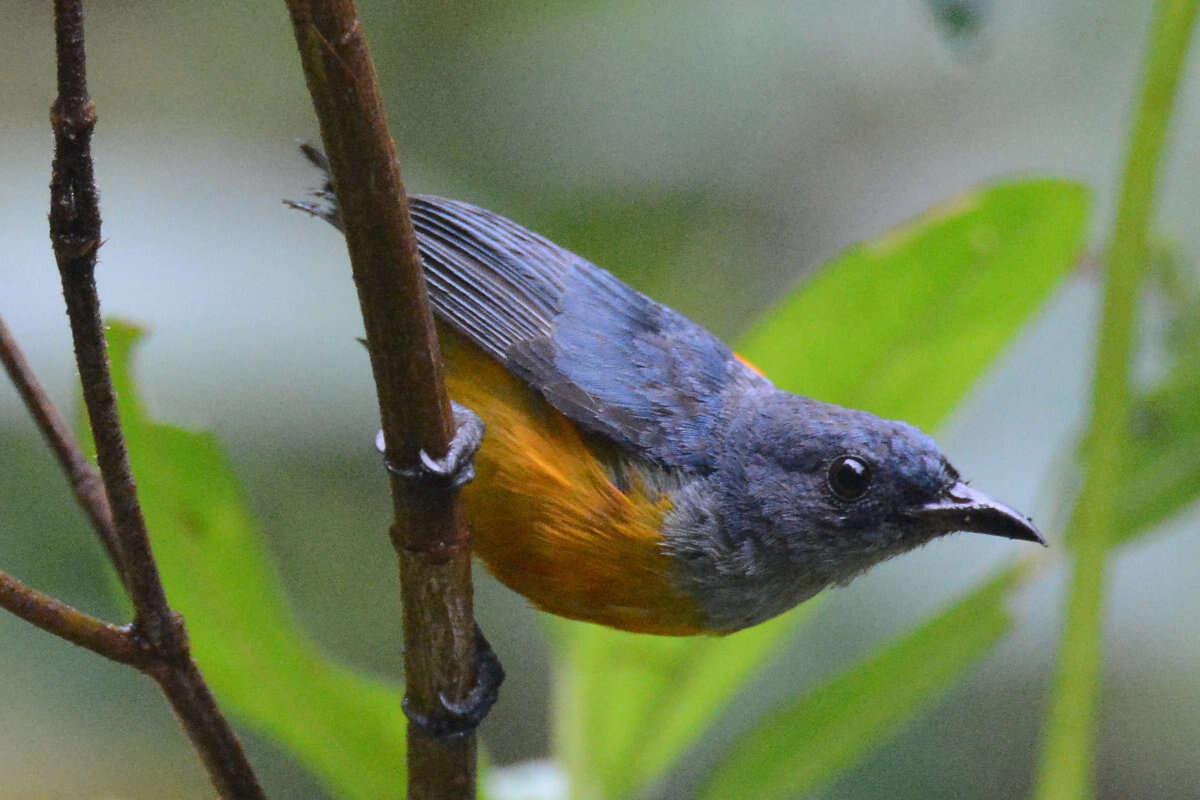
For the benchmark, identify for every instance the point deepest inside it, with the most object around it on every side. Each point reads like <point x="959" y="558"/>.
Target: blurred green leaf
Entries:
<point x="797" y="749"/>
<point x="902" y="326"/>
<point x="628" y="705"/>
<point x="882" y="323"/>
<point x="348" y="729"/>
<point x="1160" y="470"/>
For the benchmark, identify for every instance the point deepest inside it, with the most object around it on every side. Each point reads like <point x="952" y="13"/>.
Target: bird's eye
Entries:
<point x="849" y="477"/>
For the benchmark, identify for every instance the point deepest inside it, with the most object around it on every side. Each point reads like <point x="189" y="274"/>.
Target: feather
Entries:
<point x="616" y="363"/>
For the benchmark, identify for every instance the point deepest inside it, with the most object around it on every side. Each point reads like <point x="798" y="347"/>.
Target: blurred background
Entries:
<point x="711" y="154"/>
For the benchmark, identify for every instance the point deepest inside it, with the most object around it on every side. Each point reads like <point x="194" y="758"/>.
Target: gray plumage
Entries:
<point x="755" y="526"/>
<point x="774" y="496"/>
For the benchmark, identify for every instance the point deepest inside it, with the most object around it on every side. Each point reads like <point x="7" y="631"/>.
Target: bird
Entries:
<point x="639" y="474"/>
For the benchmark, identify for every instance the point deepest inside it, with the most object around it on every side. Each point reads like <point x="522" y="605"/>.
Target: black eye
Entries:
<point x="849" y="477"/>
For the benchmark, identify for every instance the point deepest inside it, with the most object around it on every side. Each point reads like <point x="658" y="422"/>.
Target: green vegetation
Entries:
<point x="903" y="326"/>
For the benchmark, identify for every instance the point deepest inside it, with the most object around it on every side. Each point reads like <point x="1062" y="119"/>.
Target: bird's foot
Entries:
<point x="456" y="718"/>
<point x="457" y="467"/>
<point x="461" y="717"/>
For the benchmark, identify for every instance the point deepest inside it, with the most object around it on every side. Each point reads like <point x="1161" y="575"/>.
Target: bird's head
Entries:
<point x="841" y="484"/>
<point x="806" y="494"/>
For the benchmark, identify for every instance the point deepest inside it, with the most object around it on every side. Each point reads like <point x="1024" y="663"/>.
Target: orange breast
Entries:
<point x="547" y="519"/>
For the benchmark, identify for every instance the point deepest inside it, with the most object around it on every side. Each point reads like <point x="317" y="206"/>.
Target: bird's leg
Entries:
<point x="452" y="471"/>
<point x="457" y="467"/>
<point x="462" y="717"/>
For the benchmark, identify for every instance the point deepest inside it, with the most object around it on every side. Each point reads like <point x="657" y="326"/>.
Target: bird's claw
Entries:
<point x="461" y="717"/>
<point x="457" y="467"/>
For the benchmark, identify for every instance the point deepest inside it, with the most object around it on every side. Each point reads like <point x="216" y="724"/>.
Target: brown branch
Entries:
<point x="85" y="482"/>
<point x="75" y="235"/>
<point x="429" y="534"/>
<point x="53" y="616"/>
<point x="180" y="681"/>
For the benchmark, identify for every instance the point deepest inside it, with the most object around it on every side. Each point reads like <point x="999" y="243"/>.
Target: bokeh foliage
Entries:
<point x="920" y="314"/>
<point x="966" y="275"/>
<point x="629" y="707"/>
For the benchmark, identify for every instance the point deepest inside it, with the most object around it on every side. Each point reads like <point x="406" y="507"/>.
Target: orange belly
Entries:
<point x="546" y="517"/>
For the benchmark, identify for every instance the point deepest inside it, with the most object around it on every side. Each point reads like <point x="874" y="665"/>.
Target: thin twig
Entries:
<point x="75" y="235"/>
<point x="85" y="481"/>
<point x="53" y="616"/>
<point x="429" y="534"/>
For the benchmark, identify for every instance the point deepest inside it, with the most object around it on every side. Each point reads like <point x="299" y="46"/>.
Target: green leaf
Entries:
<point x="348" y="729"/>
<point x="1161" y="461"/>
<point x="1160" y="469"/>
<point x="903" y="326"/>
<point x="881" y="324"/>
<point x="628" y="705"/>
<point x="797" y="749"/>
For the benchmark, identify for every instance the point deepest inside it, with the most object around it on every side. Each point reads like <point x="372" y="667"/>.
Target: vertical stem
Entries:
<point x="1067" y="754"/>
<point x="75" y="235"/>
<point x="429" y="533"/>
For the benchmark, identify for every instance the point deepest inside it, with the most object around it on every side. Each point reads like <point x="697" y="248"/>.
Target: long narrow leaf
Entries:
<point x="1160" y="469"/>
<point x="629" y="704"/>
<point x="797" y="749"/>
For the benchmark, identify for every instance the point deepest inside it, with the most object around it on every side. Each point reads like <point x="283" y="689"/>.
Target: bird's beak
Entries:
<point x="961" y="508"/>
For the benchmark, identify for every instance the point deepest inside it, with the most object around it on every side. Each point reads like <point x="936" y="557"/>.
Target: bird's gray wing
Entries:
<point x="613" y="361"/>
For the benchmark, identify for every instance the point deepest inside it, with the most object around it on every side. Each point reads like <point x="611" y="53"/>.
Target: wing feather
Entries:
<point x="609" y="358"/>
